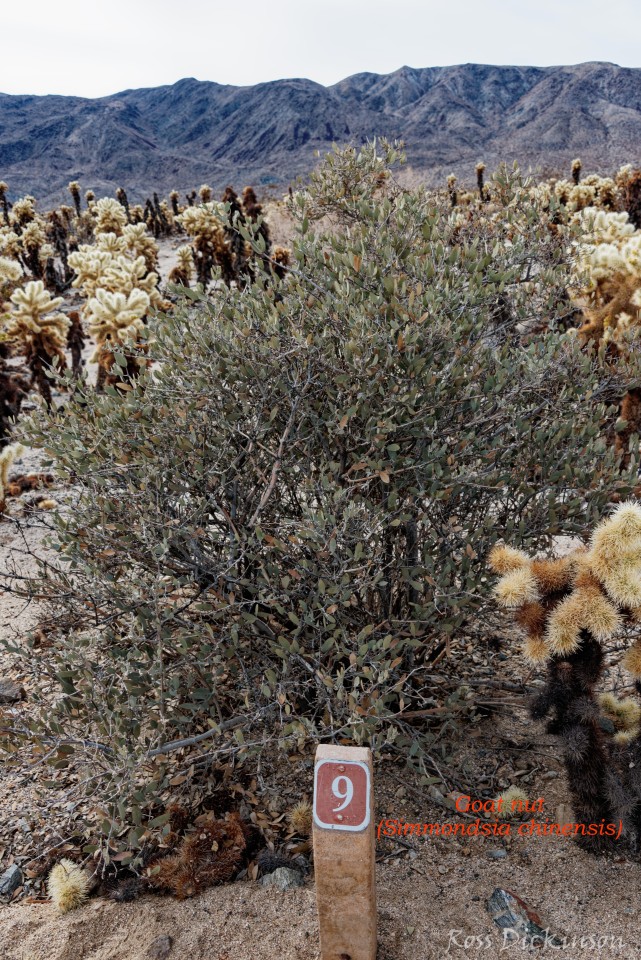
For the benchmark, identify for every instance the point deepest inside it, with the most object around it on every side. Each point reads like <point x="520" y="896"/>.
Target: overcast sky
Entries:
<point x="96" y="48"/>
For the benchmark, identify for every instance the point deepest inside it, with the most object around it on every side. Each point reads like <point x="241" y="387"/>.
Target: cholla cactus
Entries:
<point x="280" y="259"/>
<point x="212" y="854"/>
<point x="628" y="181"/>
<point x="592" y="191"/>
<point x="13" y="386"/>
<point x="569" y="608"/>
<point x="23" y="211"/>
<point x="591" y="590"/>
<point x="90" y="265"/>
<point x="38" y="331"/>
<point x="4" y="202"/>
<point x="74" y="190"/>
<point x="35" y="250"/>
<point x="300" y="818"/>
<point x="140" y="244"/>
<point x="253" y="211"/>
<point x="108" y="266"/>
<point x="624" y="714"/>
<point x="10" y="272"/>
<point x="75" y="342"/>
<point x="606" y="285"/>
<point x="451" y="189"/>
<point x="576" y="171"/>
<point x="183" y="272"/>
<point x="115" y="320"/>
<point x="110" y="216"/>
<point x="480" y="182"/>
<point x="68" y="885"/>
<point x="111" y="243"/>
<point x="25" y="238"/>
<point x="123" y="200"/>
<point x="205" y="193"/>
<point x="513" y="804"/>
<point x="204" y="224"/>
<point x="174" y="197"/>
<point x="137" y="213"/>
<point x="7" y="456"/>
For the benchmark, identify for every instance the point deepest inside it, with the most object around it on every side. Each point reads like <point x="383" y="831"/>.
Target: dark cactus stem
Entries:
<point x="151" y="219"/>
<point x="124" y="201"/>
<point x="58" y="234"/>
<point x="101" y="378"/>
<point x="160" y="216"/>
<point x="75" y="343"/>
<point x="627" y="788"/>
<point x="480" y="181"/>
<point x="569" y="695"/>
<point x="253" y="211"/>
<point x="452" y="191"/>
<point x="31" y="259"/>
<point x="4" y="203"/>
<point x="53" y="280"/>
<point x="39" y="361"/>
<point x="576" y="171"/>
<point x="13" y="390"/>
<point x="191" y="198"/>
<point x="75" y="195"/>
<point x="204" y="260"/>
<point x="631" y="413"/>
<point x="240" y="266"/>
<point x="173" y="199"/>
<point x="632" y="198"/>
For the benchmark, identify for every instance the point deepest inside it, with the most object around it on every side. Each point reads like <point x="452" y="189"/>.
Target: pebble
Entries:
<point x="10" y="880"/>
<point x="10" y="692"/>
<point x="283" y="879"/>
<point x="518" y="921"/>
<point x="160" y="948"/>
<point x="498" y="854"/>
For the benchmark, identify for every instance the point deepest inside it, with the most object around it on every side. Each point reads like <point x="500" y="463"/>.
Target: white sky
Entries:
<point x="96" y="48"/>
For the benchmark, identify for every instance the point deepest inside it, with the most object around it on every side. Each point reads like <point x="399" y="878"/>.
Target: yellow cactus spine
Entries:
<point x="68" y="885"/>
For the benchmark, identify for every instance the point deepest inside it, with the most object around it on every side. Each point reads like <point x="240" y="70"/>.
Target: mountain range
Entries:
<point x="194" y="132"/>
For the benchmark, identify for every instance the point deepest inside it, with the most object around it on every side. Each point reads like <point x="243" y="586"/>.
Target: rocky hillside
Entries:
<point x="193" y="132"/>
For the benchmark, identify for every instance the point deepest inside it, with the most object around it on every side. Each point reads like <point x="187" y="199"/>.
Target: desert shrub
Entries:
<point x="274" y="529"/>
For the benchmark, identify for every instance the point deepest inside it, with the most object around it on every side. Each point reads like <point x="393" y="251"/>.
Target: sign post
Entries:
<point x="344" y="861"/>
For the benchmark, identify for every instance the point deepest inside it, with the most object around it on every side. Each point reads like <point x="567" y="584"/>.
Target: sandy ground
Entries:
<point x="429" y="901"/>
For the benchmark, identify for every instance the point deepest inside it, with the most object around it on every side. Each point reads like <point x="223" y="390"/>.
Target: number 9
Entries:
<point x="344" y="795"/>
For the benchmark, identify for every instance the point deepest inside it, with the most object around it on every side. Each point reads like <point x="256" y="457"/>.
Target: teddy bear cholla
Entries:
<point x="595" y="589"/>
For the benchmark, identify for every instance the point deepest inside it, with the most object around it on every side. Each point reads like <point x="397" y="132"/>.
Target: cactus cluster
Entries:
<point x="38" y="330"/>
<point x="594" y="589"/>
<point x="106" y="248"/>
<point x="219" y="238"/>
<point x="607" y="276"/>
<point x="212" y="853"/>
<point x="115" y="276"/>
<point x="571" y="609"/>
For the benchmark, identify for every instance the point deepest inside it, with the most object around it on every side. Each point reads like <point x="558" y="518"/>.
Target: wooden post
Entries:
<point x="344" y="861"/>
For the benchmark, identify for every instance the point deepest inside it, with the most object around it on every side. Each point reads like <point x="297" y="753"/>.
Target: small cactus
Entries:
<point x="68" y="885"/>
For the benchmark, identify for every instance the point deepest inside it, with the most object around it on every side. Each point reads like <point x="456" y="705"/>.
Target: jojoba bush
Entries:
<point x="271" y="529"/>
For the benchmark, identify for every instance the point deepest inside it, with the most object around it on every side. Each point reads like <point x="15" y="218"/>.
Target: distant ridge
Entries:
<point x="197" y="131"/>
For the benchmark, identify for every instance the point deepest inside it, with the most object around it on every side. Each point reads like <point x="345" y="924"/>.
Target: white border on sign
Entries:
<point x="345" y="763"/>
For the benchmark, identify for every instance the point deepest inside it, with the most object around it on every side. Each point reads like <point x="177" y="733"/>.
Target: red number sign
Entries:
<point x="341" y="795"/>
